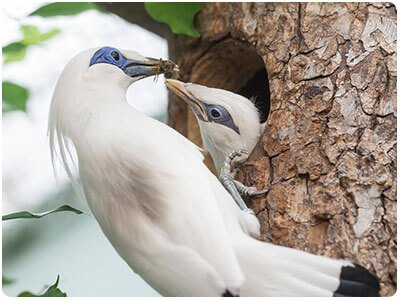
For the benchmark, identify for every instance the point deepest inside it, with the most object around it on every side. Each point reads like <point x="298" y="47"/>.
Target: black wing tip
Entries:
<point x="358" y="282"/>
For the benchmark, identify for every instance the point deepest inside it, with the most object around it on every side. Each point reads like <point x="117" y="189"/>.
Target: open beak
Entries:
<point x="195" y="104"/>
<point x="148" y="67"/>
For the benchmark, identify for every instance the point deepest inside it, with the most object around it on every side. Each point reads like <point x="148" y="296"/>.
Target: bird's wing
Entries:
<point x="144" y="238"/>
<point x="175" y="270"/>
<point x="161" y="183"/>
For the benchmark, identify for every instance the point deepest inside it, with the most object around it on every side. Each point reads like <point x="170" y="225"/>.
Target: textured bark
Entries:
<point x="328" y="152"/>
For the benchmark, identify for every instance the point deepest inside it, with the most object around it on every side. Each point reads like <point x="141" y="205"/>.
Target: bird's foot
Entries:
<point x="241" y="188"/>
<point x="232" y="186"/>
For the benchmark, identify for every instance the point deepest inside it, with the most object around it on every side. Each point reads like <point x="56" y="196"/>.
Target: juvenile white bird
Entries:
<point x="227" y="121"/>
<point x="160" y="207"/>
<point x="229" y="125"/>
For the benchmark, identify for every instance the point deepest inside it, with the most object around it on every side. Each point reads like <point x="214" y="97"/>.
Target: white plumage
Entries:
<point x="218" y="138"/>
<point x="163" y="211"/>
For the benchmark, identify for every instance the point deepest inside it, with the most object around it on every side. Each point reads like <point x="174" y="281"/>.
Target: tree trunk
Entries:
<point x="328" y="151"/>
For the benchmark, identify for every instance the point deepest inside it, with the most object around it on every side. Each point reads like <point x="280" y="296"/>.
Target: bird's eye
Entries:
<point x="115" y="55"/>
<point x="215" y="113"/>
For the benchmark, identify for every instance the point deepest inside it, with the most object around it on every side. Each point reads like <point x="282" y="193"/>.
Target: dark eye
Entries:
<point x="215" y="113"/>
<point x="115" y="55"/>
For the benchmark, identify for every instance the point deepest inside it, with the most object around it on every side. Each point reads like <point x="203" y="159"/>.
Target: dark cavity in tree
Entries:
<point x="258" y="89"/>
<point x="235" y="66"/>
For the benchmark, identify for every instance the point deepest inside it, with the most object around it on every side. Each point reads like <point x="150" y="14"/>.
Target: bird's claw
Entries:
<point x="234" y="187"/>
<point x="258" y="192"/>
<point x="249" y="190"/>
<point x="241" y="188"/>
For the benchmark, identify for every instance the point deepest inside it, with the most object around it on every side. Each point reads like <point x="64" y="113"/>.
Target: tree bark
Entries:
<point x="328" y="151"/>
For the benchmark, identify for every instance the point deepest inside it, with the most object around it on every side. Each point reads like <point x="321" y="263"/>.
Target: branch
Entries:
<point x="135" y="12"/>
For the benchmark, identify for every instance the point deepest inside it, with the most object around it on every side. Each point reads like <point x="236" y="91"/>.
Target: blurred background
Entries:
<point x="73" y="246"/>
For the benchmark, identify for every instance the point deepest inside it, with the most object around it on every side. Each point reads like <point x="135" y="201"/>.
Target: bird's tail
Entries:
<point x="272" y="270"/>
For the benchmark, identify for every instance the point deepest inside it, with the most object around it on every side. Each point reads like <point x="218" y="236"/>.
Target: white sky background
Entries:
<point x="27" y="171"/>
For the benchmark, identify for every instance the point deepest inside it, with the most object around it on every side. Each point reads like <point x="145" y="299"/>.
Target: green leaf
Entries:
<point x="63" y="9"/>
<point x="13" y="47"/>
<point x="33" y="36"/>
<point x="178" y="15"/>
<point x="29" y="215"/>
<point x="14" y="97"/>
<point x="6" y="281"/>
<point x="15" y="55"/>
<point x="52" y="291"/>
<point x="29" y="30"/>
<point x="14" y="51"/>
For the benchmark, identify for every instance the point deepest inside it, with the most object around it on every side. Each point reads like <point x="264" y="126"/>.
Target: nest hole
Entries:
<point x="257" y="88"/>
<point x="235" y="66"/>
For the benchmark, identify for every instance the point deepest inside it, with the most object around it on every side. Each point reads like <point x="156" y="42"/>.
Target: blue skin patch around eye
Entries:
<point x="224" y="117"/>
<point x="103" y="55"/>
<point x="132" y="68"/>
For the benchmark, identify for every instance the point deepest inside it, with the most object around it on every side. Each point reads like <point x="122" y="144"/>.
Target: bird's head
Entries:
<point x="125" y="66"/>
<point x="102" y="73"/>
<point x="227" y="121"/>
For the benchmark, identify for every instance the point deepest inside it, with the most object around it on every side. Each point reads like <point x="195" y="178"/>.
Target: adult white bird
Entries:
<point x="163" y="211"/>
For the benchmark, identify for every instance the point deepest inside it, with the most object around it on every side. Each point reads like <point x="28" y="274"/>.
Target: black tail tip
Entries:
<point x="227" y="293"/>
<point x="357" y="282"/>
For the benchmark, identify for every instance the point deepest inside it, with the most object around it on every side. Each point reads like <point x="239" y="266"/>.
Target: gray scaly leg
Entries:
<point x="234" y="187"/>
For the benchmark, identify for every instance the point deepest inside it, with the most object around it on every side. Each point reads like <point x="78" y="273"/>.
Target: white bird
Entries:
<point x="229" y="125"/>
<point x="160" y="207"/>
<point x="227" y="121"/>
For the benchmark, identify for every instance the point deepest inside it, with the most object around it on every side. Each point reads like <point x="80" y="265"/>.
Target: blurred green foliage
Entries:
<point x="6" y="281"/>
<point x="14" y="97"/>
<point x="31" y="36"/>
<point x="14" y="52"/>
<point x="178" y="15"/>
<point x="29" y="215"/>
<point x="52" y="291"/>
<point x="63" y="9"/>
